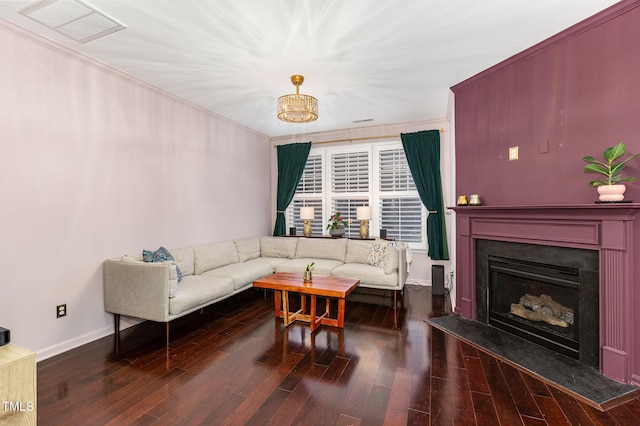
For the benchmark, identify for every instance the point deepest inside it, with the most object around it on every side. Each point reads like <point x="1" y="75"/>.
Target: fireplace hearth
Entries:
<point x="547" y="295"/>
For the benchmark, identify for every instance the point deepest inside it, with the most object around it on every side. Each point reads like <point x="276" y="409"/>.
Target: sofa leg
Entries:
<point x="116" y="324"/>
<point x="167" y="331"/>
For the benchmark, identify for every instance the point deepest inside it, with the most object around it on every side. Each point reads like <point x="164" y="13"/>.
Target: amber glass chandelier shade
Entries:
<point x="297" y="108"/>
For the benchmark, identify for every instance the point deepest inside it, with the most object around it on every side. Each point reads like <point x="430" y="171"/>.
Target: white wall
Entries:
<point x="96" y="164"/>
<point x="420" y="272"/>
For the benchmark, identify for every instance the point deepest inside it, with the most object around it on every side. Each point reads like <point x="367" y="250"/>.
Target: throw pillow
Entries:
<point x="160" y="255"/>
<point x="377" y="253"/>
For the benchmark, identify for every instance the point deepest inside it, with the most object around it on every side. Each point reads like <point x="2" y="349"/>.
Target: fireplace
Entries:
<point x="611" y="230"/>
<point x="545" y="294"/>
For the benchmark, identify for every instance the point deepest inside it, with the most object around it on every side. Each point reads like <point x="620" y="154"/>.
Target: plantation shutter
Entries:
<point x="401" y="211"/>
<point x="309" y="194"/>
<point x="349" y="185"/>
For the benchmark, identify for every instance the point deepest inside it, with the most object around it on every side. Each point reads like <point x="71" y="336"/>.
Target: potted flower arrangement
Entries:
<point x="336" y="225"/>
<point x="610" y="188"/>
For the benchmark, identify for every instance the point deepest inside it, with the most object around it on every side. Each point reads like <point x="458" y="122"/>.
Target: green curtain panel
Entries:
<point x="423" y="155"/>
<point x="291" y="161"/>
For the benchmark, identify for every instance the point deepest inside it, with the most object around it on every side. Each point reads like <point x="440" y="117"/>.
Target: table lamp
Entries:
<point x="363" y="214"/>
<point x="306" y="214"/>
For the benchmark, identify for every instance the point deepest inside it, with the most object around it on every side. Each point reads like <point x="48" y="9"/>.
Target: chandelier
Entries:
<point x="297" y="108"/>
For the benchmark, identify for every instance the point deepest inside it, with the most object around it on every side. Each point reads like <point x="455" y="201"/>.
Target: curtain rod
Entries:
<point x="357" y="139"/>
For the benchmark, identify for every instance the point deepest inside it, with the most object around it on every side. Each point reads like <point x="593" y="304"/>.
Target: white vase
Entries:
<point x="611" y="193"/>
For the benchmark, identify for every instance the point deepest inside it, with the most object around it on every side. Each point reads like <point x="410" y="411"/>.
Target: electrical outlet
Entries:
<point x="61" y="311"/>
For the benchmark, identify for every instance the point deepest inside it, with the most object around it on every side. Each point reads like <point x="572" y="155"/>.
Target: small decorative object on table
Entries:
<point x="336" y="225"/>
<point x="307" y="272"/>
<point x="462" y="200"/>
<point x="610" y="189"/>
<point x="474" y="200"/>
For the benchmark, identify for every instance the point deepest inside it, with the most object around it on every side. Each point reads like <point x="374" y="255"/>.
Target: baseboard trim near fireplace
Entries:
<point x="559" y="371"/>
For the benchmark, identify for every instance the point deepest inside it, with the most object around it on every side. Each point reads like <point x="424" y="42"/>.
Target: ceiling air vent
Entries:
<point x="72" y="18"/>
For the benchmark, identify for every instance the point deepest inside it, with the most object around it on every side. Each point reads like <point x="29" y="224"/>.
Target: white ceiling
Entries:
<point x="392" y="61"/>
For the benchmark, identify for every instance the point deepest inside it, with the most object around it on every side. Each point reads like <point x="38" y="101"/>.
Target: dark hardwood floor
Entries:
<point x="236" y="364"/>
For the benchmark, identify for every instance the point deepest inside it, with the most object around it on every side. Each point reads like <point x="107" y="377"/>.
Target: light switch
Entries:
<point x="513" y="153"/>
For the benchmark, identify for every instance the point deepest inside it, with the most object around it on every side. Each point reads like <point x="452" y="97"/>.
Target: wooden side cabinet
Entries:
<point x="18" y="389"/>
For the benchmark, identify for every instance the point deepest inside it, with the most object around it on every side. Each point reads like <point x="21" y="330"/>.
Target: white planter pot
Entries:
<point x="611" y="193"/>
<point x="337" y="232"/>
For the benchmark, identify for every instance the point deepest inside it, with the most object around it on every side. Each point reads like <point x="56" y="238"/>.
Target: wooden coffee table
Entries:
<point x="324" y="286"/>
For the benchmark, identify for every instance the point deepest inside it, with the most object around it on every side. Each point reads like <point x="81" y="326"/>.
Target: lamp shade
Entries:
<point x="363" y="213"/>
<point x="306" y="213"/>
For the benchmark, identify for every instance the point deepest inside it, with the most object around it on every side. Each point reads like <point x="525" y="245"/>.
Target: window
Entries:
<point x="343" y="178"/>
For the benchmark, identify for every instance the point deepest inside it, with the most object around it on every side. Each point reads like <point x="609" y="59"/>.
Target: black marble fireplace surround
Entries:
<point x="569" y="275"/>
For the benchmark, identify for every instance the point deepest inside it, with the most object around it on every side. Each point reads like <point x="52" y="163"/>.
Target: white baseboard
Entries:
<point x="57" y="349"/>
<point x="67" y="345"/>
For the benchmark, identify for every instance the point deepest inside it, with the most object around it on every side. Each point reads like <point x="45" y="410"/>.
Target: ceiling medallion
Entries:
<point x="297" y="108"/>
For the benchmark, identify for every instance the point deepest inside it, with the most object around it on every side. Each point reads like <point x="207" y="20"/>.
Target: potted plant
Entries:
<point x="307" y="272"/>
<point x="336" y="225"/>
<point x="610" y="189"/>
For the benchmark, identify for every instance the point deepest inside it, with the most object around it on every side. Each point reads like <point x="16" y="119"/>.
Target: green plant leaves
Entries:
<point x="614" y="152"/>
<point x="596" y="168"/>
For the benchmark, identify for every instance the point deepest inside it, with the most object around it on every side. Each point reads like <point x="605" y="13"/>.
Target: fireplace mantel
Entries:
<point x="611" y="229"/>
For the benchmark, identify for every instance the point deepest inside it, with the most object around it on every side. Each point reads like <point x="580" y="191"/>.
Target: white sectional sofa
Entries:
<point x="216" y="271"/>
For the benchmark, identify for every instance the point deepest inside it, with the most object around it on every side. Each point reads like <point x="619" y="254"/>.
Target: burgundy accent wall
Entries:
<point x="572" y="95"/>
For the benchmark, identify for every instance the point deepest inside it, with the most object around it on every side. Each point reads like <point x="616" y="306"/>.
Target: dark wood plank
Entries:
<point x="551" y="411"/>
<point x="505" y="406"/>
<point x="484" y="409"/>
<point x="475" y="375"/>
<point x="525" y="403"/>
<point x="572" y="408"/>
<point x="460" y="394"/>
<point x="399" y="399"/>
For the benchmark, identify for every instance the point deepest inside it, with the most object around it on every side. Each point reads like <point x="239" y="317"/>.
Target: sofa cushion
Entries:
<point x="322" y="248"/>
<point x="367" y="274"/>
<point x="391" y="259"/>
<point x="214" y="255"/>
<point x="407" y="250"/>
<point x="357" y="251"/>
<point x="242" y="274"/>
<point x="196" y="290"/>
<point x="278" y="247"/>
<point x="297" y="266"/>
<point x="248" y="248"/>
<point x="159" y="256"/>
<point x="184" y="259"/>
<point x="271" y="261"/>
